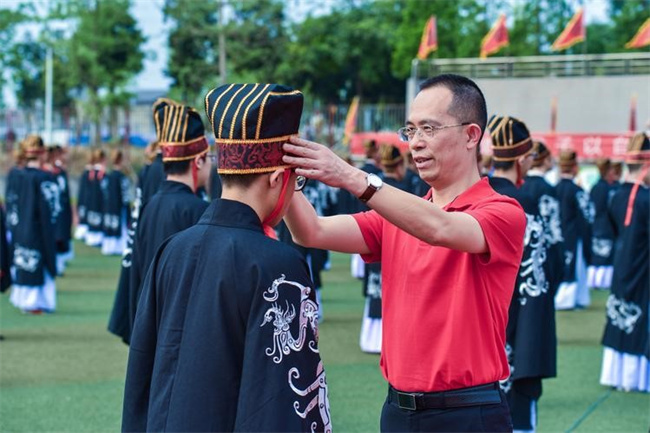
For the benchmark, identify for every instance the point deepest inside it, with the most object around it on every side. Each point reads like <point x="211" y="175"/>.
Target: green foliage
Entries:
<point x="628" y="16"/>
<point x="193" y="52"/>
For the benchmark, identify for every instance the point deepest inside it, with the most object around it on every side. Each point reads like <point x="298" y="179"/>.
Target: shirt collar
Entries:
<point x="230" y="213"/>
<point x="477" y="192"/>
<point x="170" y="186"/>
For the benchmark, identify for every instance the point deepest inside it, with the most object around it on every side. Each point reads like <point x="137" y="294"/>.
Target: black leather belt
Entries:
<point x="472" y="396"/>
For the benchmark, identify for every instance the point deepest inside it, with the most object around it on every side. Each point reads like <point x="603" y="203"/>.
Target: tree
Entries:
<point x="105" y="53"/>
<point x="9" y="20"/>
<point x="627" y="16"/>
<point x="193" y="46"/>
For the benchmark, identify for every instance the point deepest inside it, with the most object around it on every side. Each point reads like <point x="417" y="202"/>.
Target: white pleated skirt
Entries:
<point x="80" y="232"/>
<point x="32" y="298"/>
<point x="94" y="239"/>
<point x="576" y="293"/>
<point x="600" y="277"/>
<point x="114" y="245"/>
<point x="625" y="371"/>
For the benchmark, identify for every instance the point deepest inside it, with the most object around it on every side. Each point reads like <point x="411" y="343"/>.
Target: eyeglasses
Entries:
<point x="301" y="181"/>
<point x="407" y="133"/>
<point x="213" y="157"/>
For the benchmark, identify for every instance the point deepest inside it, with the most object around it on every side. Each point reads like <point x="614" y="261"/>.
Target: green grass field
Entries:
<point x="65" y="373"/>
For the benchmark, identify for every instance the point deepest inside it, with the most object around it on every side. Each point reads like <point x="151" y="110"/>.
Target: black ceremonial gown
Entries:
<point x="82" y="198"/>
<point x="627" y="306"/>
<point x="549" y="209"/>
<point x="577" y="215"/>
<point x="64" y="221"/>
<point x="116" y="202"/>
<point x="531" y="342"/>
<point x="602" y="244"/>
<point x="5" y="275"/>
<point x="226" y="334"/>
<point x="172" y="209"/>
<point x="34" y="206"/>
<point x="152" y="178"/>
<point x="95" y="201"/>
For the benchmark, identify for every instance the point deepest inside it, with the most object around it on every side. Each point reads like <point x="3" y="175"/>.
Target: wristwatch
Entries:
<point x="374" y="184"/>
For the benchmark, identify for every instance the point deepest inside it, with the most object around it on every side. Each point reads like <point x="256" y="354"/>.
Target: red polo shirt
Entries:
<point x="444" y="311"/>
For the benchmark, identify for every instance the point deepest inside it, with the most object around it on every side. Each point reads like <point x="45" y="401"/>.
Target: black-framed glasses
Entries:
<point x="407" y="133"/>
<point x="301" y="181"/>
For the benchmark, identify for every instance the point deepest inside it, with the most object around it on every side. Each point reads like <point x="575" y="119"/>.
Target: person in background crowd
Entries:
<point x="55" y="166"/>
<point x="95" y="208"/>
<point x="371" y="164"/>
<point x="175" y="206"/>
<point x="531" y="342"/>
<point x="599" y="272"/>
<point x="116" y="187"/>
<point x="394" y="169"/>
<point x="415" y="183"/>
<point x="83" y="195"/>
<point x="149" y="179"/>
<point x="215" y="345"/>
<point x="32" y="203"/>
<point x="577" y="216"/>
<point x="450" y="260"/>
<point x="485" y="165"/>
<point x="626" y="354"/>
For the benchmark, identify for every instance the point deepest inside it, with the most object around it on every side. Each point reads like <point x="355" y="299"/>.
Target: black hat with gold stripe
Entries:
<point x="510" y="138"/>
<point x="638" y="149"/>
<point x="251" y="122"/>
<point x="182" y="134"/>
<point x="158" y="114"/>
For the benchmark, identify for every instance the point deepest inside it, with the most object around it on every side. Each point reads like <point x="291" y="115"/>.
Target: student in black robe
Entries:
<point x="371" y="164"/>
<point x="626" y="356"/>
<point x="5" y="273"/>
<point x="393" y="173"/>
<point x="175" y="206"/>
<point x="545" y="196"/>
<point x="412" y="179"/>
<point x="116" y="187"/>
<point x="64" y="251"/>
<point x="577" y="216"/>
<point x="243" y="303"/>
<point x="120" y="320"/>
<point x="82" y="202"/>
<point x="95" y="197"/>
<point x="531" y="342"/>
<point x="599" y="272"/>
<point x="34" y="204"/>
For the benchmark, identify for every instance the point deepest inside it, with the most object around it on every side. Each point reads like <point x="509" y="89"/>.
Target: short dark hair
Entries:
<point x="468" y="103"/>
<point x="502" y="165"/>
<point x="176" y="167"/>
<point x="241" y="180"/>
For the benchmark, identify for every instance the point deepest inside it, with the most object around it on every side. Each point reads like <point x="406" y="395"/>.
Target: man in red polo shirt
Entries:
<point x="449" y="263"/>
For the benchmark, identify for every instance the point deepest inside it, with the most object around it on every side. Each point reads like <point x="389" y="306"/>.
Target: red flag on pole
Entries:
<point x="351" y="120"/>
<point x="573" y="33"/>
<point x="429" y="40"/>
<point x="642" y="37"/>
<point x="632" y="127"/>
<point x="496" y="38"/>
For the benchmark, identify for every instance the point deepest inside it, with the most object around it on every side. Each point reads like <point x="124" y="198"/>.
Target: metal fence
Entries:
<point x="537" y="66"/>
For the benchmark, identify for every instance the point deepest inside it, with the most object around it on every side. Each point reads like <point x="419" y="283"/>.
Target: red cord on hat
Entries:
<point x="635" y="188"/>
<point x="268" y="230"/>
<point x="195" y="176"/>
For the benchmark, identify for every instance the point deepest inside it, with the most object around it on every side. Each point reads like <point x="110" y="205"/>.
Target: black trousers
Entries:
<point x="482" y="418"/>
<point x="523" y="395"/>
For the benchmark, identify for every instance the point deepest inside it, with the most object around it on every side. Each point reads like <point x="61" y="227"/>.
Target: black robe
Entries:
<point x="602" y="242"/>
<point x="577" y="215"/>
<point x="5" y="274"/>
<point x="64" y="220"/>
<point x="172" y="209"/>
<point x="627" y="306"/>
<point x="226" y="334"/>
<point x="33" y="203"/>
<point x="116" y="187"/>
<point x="95" y="201"/>
<point x="82" y="197"/>
<point x="414" y="183"/>
<point x="531" y="342"/>
<point x="549" y="209"/>
<point x="152" y="178"/>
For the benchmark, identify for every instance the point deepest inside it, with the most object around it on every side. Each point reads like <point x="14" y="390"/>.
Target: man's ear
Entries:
<point x="275" y="178"/>
<point x="474" y="133"/>
<point x="199" y="161"/>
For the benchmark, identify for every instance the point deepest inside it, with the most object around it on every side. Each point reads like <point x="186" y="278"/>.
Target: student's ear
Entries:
<point x="275" y="178"/>
<point x="199" y="161"/>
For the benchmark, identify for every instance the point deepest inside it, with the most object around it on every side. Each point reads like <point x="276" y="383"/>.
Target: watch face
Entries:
<point x="374" y="181"/>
